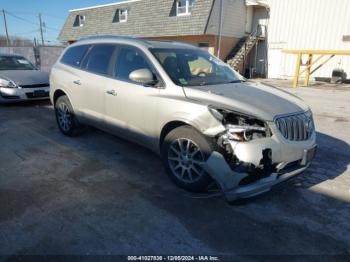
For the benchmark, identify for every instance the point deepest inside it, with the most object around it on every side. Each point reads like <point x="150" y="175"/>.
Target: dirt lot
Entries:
<point x="97" y="194"/>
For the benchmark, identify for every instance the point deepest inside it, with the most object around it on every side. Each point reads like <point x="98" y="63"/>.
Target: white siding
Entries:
<point x="234" y="18"/>
<point x="309" y="24"/>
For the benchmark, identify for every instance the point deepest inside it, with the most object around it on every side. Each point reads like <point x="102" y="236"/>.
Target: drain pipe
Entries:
<point x="220" y="28"/>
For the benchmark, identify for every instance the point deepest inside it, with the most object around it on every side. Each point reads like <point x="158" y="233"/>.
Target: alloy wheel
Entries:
<point x="64" y="117"/>
<point x="186" y="160"/>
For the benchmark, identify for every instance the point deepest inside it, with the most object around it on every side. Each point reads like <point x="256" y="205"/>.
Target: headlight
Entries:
<point x="245" y="133"/>
<point x="7" y="83"/>
<point x="241" y="127"/>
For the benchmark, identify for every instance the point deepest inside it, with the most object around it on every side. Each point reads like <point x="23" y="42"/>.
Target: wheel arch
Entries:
<point x="58" y="93"/>
<point x="171" y="125"/>
<point x="168" y="127"/>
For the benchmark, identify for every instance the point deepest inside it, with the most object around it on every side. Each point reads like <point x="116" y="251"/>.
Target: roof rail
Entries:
<point x="112" y="37"/>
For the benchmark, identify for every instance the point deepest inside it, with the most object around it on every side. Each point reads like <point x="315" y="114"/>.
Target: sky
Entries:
<point x="22" y="16"/>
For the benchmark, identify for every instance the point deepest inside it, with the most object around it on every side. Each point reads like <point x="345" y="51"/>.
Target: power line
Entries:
<point x="54" y="17"/>
<point x="41" y="24"/>
<point x="47" y="15"/>
<point x="52" y="28"/>
<point x="31" y="22"/>
<point x="20" y="18"/>
<point x="27" y="32"/>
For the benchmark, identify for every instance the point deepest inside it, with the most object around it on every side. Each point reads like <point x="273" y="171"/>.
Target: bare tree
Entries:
<point x="16" y="41"/>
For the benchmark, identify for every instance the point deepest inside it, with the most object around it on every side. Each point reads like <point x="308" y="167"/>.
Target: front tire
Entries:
<point x="184" y="152"/>
<point x="66" y="120"/>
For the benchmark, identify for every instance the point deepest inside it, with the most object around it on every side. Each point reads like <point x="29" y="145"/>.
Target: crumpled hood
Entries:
<point x="26" y="77"/>
<point x="251" y="98"/>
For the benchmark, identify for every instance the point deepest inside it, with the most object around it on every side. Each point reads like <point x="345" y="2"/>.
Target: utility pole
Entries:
<point x="220" y="29"/>
<point x="5" y="23"/>
<point x="41" y="30"/>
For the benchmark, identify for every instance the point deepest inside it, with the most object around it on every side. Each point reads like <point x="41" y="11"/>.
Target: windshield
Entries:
<point x="191" y="67"/>
<point x="15" y="63"/>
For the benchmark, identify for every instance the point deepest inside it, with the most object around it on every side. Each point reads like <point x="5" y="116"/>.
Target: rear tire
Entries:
<point x="184" y="152"/>
<point x="65" y="117"/>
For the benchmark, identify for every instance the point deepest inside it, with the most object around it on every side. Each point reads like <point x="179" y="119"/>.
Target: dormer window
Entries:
<point x="79" y="21"/>
<point x="184" y="7"/>
<point x="120" y="16"/>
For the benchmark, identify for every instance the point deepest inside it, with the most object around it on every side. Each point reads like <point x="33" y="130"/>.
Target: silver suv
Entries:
<point x="209" y="125"/>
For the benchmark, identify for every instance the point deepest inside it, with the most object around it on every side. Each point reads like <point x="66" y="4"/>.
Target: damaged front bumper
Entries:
<point x="229" y="180"/>
<point x="277" y="158"/>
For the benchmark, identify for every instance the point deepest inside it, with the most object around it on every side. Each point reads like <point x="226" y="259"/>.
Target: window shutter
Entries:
<point x="76" y="21"/>
<point x="173" y="9"/>
<point x="116" y="16"/>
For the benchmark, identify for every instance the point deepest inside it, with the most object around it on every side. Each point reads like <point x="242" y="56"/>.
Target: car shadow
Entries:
<point x="117" y="181"/>
<point x="332" y="159"/>
<point x="29" y="103"/>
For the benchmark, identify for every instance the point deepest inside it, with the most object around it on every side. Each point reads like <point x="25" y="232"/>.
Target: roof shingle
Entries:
<point x="146" y="18"/>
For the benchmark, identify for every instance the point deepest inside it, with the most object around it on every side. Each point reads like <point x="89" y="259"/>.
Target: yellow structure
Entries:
<point x="311" y="61"/>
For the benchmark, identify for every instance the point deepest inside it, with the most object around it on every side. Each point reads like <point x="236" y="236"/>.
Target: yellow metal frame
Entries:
<point x="311" y="61"/>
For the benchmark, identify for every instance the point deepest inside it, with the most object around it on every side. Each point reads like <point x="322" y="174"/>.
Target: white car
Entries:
<point x="21" y="80"/>
<point x="205" y="120"/>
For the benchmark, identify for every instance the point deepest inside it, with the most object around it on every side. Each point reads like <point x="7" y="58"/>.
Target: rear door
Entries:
<point x="96" y="68"/>
<point x="68" y="75"/>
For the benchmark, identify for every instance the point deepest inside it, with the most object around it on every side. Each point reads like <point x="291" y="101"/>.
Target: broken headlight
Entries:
<point x="241" y="127"/>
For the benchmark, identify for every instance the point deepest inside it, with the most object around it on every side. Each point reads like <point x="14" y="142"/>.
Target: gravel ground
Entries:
<point x="98" y="194"/>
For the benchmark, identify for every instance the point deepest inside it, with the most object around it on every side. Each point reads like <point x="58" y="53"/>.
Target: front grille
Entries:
<point x="296" y="127"/>
<point x="35" y="86"/>
<point x="37" y="94"/>
<point x="10" y="97"/>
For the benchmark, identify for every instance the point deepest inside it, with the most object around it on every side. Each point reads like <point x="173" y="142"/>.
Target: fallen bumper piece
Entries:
<point x="229" y="180"/>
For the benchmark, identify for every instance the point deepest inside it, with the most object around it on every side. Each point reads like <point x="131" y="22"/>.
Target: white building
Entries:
<point x="306" y="24"/>
<point x="249" y="34"/>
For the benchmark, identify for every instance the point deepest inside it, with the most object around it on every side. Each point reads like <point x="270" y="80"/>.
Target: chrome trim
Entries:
<point x="295" y="127"/>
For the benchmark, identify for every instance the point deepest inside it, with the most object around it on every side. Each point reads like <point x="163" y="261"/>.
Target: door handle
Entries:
<point x="77" y="82"/>
<point x="111" y="92"/>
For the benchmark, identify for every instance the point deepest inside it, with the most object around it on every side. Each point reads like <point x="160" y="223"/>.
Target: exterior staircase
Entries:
<point x="240" y="52"/>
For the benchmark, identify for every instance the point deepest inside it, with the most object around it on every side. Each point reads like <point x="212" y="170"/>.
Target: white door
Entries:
<point x="274" y="70"/>
<point x="96" y="67"/>
<point x="131" y="108"/>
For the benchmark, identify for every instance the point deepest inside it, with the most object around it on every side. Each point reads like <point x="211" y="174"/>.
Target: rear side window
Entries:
<point x="74" y="55"/>
<point x="99" y="58"/>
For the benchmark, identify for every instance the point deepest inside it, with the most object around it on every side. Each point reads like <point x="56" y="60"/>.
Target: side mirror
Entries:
<point x="143" y="76"/>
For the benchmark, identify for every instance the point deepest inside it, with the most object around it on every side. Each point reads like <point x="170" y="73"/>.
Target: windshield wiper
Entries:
<point x="234" y="81"/>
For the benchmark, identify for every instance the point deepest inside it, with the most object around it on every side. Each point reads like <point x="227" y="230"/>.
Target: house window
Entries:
<point x="79" y="21"/>
<point x="184" y="7"/>
<point x="121" y="15"/>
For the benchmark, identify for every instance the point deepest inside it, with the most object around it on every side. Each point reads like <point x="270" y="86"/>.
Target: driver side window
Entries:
<point x="130" y="59"/>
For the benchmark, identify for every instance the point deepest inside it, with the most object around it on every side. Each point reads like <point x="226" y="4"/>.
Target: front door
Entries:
<point x="131" y="106"/>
